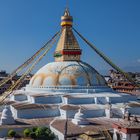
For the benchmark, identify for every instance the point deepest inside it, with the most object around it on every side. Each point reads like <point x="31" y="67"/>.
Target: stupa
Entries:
<point x="59" y="88"/>
<point x="7" y="117"/>
<point x="79" y="118"/>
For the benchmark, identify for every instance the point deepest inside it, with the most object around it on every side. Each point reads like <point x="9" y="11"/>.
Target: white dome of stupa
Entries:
<point x="67" y="73"/>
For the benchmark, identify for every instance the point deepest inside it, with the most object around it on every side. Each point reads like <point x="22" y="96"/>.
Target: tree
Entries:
<point x="39" y="133"/>
<point x="33" y="135"/>
<point x="11" y="133"/>
<point x="27" y="132"/>
<point x="34" y="129"/>
<point x="44" y="133"/>
<point x="51" y="136"/>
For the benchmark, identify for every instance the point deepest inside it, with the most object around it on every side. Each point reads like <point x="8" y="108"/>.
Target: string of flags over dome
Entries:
<point x="67" y="50"/>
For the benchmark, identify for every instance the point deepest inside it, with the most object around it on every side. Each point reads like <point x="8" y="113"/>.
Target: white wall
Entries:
<point x="123" y="99"/>
<point x="125" y="136"/>
<point x="68" y="114"/>
<point x="46" y="100"/>
<point x="20" y="97"/>
<point x="37" y="113"/>
<point x="134" y="110"/>
<point x="94" y="113"/>
<point x="81" y="101"/>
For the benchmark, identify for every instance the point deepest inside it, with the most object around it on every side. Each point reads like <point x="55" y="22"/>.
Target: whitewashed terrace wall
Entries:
<point x="116" y="112"/>
<point x="122" y="99"/>
<point x="19" y="97"/>
<point x="101" y="100"/>
<point x="93" y="113"/>
<point x="46" y="100"/>
<point x="37" y="113"/>
<point x="68" y="113"/>
<point x="134" y="110"/>
<point x="81" y="101"/>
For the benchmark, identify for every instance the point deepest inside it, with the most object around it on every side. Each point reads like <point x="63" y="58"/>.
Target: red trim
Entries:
<point x="126" y="130"/>
<point x="71" y="52"/>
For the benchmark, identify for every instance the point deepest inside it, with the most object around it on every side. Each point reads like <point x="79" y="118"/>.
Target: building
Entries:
<point x="67" y="91"/>
<point x="118" y="82"/>
<point x="127" y="129"/>
<point x="4" y="75"/>
<point x="137" y="77"/>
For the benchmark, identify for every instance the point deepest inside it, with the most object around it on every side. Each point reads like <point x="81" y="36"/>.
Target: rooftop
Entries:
<point x="26" y="105"/>
<point x="24" y="123"/>
<point x="96" y="125"/>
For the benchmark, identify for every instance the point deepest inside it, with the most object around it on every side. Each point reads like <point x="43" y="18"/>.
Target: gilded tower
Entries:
<point x="67" y="48"/>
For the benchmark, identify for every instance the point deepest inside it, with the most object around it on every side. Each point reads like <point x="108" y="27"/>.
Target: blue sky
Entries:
<point x="113" y="26"/>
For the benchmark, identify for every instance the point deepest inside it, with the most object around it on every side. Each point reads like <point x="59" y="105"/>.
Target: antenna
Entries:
<point x="67" y="4"/>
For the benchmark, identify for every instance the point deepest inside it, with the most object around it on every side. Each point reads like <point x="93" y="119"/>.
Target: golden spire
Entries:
<point x="67" y="48"/>
<point x="66" y="19"/>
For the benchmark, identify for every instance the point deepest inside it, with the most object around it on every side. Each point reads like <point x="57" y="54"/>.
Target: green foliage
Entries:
<point x="44" y="133"/>
<point x="34" y="129"/>
<point x="11" y="133"/>
<point x="40" y="133"/>
<point x="27" y="132"/>
<point x="51" y="136"/>
<point x="33" y="135"/>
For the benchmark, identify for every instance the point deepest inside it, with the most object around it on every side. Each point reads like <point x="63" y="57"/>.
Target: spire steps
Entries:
<point x="67" y="48"/>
